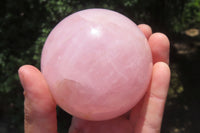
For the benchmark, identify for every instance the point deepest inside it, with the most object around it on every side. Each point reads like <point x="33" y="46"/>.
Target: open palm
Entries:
<point x="145" y="117"/>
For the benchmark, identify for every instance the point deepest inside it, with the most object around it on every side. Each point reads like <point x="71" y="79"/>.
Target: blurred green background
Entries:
<point x="25" y="25"/>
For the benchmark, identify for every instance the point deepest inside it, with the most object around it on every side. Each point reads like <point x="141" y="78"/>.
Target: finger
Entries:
<point x="151" y="114"/>
<point x="39" y="106"/>
<point x="159" y="44"/>
<point x="146" y="29"/>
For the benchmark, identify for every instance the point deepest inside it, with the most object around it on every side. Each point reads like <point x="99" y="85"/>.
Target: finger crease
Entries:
<point x="151" y="126"/>
<point x="157" y="97"/>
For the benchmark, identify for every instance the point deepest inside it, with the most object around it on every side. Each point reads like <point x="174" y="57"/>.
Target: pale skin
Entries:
<point x="145" y="117"/>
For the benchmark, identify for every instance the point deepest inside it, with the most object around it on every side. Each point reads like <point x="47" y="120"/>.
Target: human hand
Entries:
<point x="145" y="117"/>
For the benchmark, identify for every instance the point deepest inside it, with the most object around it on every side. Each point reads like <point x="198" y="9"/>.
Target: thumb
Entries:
<point x="39" y="106"/>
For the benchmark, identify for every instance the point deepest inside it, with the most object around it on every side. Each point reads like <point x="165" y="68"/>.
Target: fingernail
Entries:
<point x="21" y="76"/>
<point x="24" y="93"/>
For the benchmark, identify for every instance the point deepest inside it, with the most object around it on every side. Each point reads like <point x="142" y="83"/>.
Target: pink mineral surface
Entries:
<point x="97" y="64"/>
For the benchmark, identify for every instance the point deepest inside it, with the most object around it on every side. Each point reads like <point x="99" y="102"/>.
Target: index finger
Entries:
<point x="146" y="29"/>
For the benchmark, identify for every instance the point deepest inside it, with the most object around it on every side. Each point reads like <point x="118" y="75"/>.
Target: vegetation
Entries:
<point x="25" y="24"/>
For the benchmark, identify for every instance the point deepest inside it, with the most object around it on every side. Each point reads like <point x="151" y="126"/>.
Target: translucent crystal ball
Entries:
<point x="97" y="64"/>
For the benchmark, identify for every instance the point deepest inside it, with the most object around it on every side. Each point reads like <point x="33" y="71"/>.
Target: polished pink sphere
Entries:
<point x="97" y="64"/>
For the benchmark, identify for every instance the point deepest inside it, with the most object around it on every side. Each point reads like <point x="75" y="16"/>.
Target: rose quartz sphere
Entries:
<point x="97" y="64"/>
